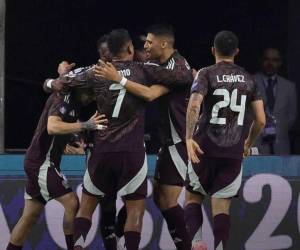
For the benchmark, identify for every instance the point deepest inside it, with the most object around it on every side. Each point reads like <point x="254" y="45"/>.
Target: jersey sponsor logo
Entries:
<point x="171" y="64"/>
<point x="231" y="78"/>
<point x="72" y="113"/>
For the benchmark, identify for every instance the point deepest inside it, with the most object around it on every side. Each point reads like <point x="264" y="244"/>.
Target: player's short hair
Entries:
<point x="139" y="41"/>
<point x="101" y="40"/>
<point x="226" y="43"/>
<point x="162" y="30"/>
<point x="117" y="41"/>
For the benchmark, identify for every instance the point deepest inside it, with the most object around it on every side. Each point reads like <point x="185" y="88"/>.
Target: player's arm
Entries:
<point x="192" y="117"/>
<point x="109" y="72"/>
<point x="56" y="85"/>
<point x="56" y="125"/>
<point x="257" y="126"/>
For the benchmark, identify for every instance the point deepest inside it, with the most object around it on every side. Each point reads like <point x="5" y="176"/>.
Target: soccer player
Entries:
<point x="216" y="143"/>
<point x="171" y="167"/>
<point x="42" y="168"/>
<point x="108" y="204"/>
<point x="118" y="162"/>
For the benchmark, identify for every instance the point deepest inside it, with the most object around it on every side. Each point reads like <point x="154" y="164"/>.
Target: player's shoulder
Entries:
<point x="206" y="70"/>
<point x="177" y="58"/>
<point x="79" y="70"/>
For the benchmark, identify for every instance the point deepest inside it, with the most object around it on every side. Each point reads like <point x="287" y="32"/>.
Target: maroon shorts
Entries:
<point x="121" y="173"/>
<point x="171" y="166"/>
<point x="45" y="183"/>
<point x="218" y="177"/>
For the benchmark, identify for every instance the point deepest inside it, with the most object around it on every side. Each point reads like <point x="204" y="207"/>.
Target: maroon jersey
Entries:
<point x="125" y="111"/>
<point x="173" y="106"/>
<point x="228" y="91"/>
<point x="44" y="146"/>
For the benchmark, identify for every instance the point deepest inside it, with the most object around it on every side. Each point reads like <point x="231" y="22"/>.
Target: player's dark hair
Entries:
<point x="162" y="30"/>
<point x="102" y="39"/>
<point x="226" y="43"/>
<point x="117" y="41"/>
<point x="138" y="42"/>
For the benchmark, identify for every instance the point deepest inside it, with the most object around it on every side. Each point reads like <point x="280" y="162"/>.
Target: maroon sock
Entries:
<point x="176" y="225"/>
<point x="132" y="240"/>
<point x="221" y="229"/>
<point x="107" y="226"/>
<point x="69" y="241"/>
<point x="121" y="220"/>
<point x="82" y="227"/>
<point x="193" y="219"/>
<point x="11" y="246"/>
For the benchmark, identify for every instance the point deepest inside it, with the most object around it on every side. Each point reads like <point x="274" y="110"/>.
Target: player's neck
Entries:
<point x="166" y="55"/>
<point x="123" y="57"/>
<point x="225" y="59"/>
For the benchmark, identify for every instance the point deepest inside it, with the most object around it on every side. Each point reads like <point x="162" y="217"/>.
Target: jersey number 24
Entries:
<point x="230" y="101"/>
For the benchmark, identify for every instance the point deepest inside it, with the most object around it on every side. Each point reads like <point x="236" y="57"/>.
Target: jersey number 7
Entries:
<point x="120" y="98"/>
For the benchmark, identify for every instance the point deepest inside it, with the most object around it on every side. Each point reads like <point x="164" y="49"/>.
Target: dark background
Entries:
<point x="40" y="34"/>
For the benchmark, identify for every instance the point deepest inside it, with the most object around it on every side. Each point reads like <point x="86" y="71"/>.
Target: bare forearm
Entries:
<point x="193" y="114"/>
<point x="255" y="130"/>
<point x="59" y="128"/>
<point x="139" y="90"/>
<point x="191" y="120"/>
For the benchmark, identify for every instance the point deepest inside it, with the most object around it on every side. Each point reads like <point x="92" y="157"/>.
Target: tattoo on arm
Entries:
<point x="193" y="114"/>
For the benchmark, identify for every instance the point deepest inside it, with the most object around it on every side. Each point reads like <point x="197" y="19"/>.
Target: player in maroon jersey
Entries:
<point x="171" y="166"/>
<point x="117" y="163"/>
<point x="108" y="204"/>
<point x="216" y="143"/>
<point x="42" y="165"/>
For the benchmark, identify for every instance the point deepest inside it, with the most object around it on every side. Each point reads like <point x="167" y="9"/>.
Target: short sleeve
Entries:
<point x="255" y="93"/>
<point x="200" y="84"/>
<point x="60" y="106"/>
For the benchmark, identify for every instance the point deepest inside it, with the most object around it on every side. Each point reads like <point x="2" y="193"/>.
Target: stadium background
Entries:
<point x="40" y="34"/>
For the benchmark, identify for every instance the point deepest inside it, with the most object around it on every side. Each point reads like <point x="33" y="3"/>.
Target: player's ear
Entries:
<point x="213" y="51"/>
<point x="130" y="48"/>
<point x="164" y="44"/>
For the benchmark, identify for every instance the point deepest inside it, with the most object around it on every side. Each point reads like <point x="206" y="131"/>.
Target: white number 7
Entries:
<point x="119" y="99"/>
<point x="225" y="103"/>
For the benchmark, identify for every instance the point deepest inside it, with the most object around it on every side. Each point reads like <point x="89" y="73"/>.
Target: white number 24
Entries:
<point x="215" y="119"/>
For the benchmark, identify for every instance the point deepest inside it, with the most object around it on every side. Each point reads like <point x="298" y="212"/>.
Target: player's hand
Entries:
<point x="95" y="122"/>
<point x="107" y="71"/>
<point x="193" y="150"/>
<point x="247" y="147"/>
<point x="64" y="68"/>
<point x="74" y="150"/>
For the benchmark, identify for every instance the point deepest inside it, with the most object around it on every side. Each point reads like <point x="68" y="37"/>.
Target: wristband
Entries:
<point x="123" y="81"/>
<point x="100" y="127"/>
<point x="49" y="83"/>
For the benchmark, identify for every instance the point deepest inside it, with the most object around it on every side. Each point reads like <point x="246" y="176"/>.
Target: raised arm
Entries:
<point x="57" y="126"/>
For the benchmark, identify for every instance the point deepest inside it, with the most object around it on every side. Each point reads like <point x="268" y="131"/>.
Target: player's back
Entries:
<point x="124" y="111"/>
<point x="225" y="119"/>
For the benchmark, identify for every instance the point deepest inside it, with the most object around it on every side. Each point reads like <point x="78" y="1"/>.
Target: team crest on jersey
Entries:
<point x="63" y="110"/>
